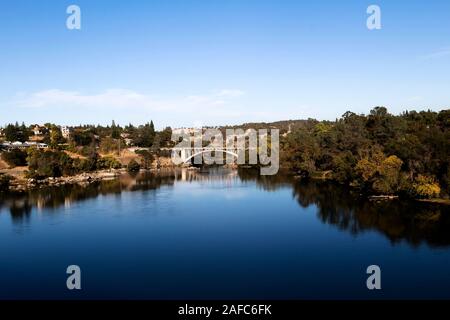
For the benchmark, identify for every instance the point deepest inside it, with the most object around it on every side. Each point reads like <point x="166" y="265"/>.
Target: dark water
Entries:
<point x="222" y="234"/>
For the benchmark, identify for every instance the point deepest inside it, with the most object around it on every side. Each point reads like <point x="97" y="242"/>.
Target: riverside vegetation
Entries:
<point x="88" y="150"/>
<point x="378" y="154"/>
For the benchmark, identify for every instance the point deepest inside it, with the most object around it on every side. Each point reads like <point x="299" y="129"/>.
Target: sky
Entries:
<point x="216" y="62"/>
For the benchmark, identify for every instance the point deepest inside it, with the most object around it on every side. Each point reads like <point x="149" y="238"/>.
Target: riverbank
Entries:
<point x="21" y="185"/>
<point x="437" y="201"/>
<point x="326" y="176"/>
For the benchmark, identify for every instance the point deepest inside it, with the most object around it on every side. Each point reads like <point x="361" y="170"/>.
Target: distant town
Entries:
<point x="41" y="136"/>
<point x="15" y="136"/>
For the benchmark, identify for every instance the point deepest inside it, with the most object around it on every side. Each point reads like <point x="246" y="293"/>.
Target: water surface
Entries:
<point x="219" y="234"/>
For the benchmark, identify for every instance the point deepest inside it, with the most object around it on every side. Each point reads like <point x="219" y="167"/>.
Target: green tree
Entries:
<point x="44" y="164"/>
<point x="56" y="136"/>
<point x="115" y="131"/>
<point x="166" y="137"/>
<point x="14" y="132"/>
<point x="145" y="135"/>
<point x="83" y="137"/>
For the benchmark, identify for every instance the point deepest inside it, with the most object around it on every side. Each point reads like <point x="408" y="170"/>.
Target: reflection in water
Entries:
<point x="398" y="220"/>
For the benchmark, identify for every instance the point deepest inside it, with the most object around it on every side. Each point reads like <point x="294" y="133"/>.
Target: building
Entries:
<point x="25" y="145"/>
<point x="66" y="131"/>
<point x="38" y="130"/>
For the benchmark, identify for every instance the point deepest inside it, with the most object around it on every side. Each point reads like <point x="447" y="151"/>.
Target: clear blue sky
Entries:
<point x="192" y="62"/>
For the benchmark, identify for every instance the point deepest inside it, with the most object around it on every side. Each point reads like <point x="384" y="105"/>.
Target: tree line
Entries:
<point x="89" y="141"/>
<point x="144" y="136"/>
<point x="378" y="153"/>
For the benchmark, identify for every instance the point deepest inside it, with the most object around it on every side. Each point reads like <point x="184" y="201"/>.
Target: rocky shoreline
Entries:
<point x="83" y="178"/>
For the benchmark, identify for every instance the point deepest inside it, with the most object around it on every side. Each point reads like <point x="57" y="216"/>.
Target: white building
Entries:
<point x="25" y="145"/>
<point x="37" y="130"/>
<point x="66" y="132"/>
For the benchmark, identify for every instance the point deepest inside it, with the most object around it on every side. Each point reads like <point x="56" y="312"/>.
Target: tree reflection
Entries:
<point x="398" y="220"/>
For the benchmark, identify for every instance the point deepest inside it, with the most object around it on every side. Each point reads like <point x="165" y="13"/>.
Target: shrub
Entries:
<point x="133" y="166"/>
<point x="86" y="165"/>
<point x="108" y="163"/>
<point x="5" y="181"/>
<point x="15" y="157"/>
<point x="147" y="158"/>
<point x="426" y="187"/>
<point x="44" y="164"/>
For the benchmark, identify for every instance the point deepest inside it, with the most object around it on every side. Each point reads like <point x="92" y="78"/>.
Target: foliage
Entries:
<point x="343" y="167"/>
<point x="54" y="163"/>
<point x="300" y="152"/>
<point x="166" y="137"/>
<point x="14" y="132"/>
<point x="147" y="158"/>
<point x="115" y="131"/>
<point x="133" y="166"/>
<point x="83" y="137"/>
<point x="44" y="164"/>
<point x="15" y="157"/>
<point x="56" y="136"/>
<point x="380" y="173"/>
<point x="379" y="152"/>
<point x="145" y="135"/>
<point x="108" y="163"/>
<point x="5" y="181"/>
<point x="426" y="187"/>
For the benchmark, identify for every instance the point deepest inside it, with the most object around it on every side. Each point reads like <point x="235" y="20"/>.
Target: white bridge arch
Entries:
<point x="187" y="154"/>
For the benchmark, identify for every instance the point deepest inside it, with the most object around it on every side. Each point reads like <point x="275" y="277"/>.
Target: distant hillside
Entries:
<point x="283" y="126"/>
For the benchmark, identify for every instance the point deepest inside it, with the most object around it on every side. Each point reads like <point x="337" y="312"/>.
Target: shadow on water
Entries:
<point x="398" y="220"/>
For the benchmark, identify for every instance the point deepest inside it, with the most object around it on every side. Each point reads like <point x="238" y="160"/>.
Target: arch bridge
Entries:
<point x="187" y="154"/>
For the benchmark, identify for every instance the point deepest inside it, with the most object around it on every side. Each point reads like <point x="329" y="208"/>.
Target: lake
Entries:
<point x="219" y="234"/>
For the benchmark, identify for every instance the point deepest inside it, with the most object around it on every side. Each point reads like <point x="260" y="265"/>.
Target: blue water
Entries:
<point x="219" y="235"/>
